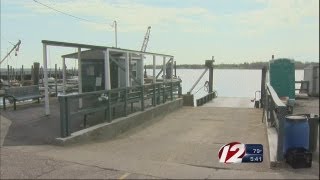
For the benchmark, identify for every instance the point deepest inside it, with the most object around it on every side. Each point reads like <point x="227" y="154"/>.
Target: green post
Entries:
<point x="179" y="90"/>
<point x="154" y="102"/>
<point x="68" y="117"/>
<point x="171" y="91"/>
<point x="142" y="98"/>
<point x="64" y="117"/>
<point x="164" y="93"/>
<point x="4" y="102"/>
<point x="125" y="102"/>
<point x="109" y="107"/>
<point x="159" y="95"/>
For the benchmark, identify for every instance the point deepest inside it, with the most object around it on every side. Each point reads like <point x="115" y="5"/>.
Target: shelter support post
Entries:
<point x="79" y="76"/>
<point x="64" y="75"/>
<point x="45" y="81"/>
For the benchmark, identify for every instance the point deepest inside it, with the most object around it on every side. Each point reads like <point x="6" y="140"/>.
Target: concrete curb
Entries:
<point x="5" y="125"/>
<point x="107" y="130"/>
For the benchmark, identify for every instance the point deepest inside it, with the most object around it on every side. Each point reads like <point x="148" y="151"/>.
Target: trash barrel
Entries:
<point x="296" y="132"/>
<point x="313" y="135"/>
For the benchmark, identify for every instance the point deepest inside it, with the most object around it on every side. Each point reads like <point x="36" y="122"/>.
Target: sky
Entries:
<point x="233" y="31"/>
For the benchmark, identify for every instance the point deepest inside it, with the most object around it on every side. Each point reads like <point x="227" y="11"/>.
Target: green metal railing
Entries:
<point x="275" y="110"/>
<point x="75" y="106"/>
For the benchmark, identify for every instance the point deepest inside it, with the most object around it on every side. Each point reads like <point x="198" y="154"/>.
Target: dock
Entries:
<point x="124" y="125"/>
<point x="180" y="144"/>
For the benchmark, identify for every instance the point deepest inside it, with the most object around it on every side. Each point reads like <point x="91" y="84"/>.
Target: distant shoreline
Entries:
<point x="254" y="65"/>
<point x="221" y="68"/>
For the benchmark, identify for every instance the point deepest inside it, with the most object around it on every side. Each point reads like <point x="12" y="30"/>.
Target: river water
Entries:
<point x="227" y="82"/>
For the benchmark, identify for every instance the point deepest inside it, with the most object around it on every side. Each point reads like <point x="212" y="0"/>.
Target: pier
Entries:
<point x="121" y="125"/>
<point x="180" y="144"/>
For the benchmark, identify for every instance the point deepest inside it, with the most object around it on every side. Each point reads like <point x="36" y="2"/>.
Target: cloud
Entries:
<point x="132" y="16"/>
<point x="136" y="16"/>
<point x="16" y="15"/>
<point x="278" y="14"/>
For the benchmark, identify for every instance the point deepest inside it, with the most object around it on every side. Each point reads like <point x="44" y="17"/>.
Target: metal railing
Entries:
<point x="304" y="86"/>
<point x="275" y="110"/>
<point x="114" y="103"/>
<point x="206" y="98"/>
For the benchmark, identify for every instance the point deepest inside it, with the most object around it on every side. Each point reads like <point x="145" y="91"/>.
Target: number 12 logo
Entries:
<point x="232" y="153"/>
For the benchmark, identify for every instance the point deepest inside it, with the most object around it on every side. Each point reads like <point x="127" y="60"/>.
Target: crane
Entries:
<point x="15" y="47"/>
<point x="146" y="39"/>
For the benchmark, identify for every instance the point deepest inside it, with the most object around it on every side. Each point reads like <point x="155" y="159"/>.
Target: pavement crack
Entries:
<point x="205" y="166"/>
<point x="45" y="173"/>
<point x="96" y="166"/>
<point x="111" y="169"/>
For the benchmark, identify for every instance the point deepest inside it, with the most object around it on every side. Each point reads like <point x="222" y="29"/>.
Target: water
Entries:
<point x="227" y="82"/>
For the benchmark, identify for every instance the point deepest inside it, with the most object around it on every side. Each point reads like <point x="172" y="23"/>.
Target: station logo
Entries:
<point x="236" y="152"/>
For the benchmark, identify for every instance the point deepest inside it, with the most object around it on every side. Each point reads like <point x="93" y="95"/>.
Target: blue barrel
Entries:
<point x="296" y="129"/>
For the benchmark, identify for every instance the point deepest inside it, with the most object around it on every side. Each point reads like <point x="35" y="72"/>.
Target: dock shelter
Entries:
<point x="104" y="68"/>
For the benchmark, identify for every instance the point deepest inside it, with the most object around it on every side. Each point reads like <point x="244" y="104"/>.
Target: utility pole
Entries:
<point x="115" y="32"/>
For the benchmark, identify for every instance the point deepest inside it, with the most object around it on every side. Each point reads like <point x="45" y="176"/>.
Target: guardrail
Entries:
<point x="304" y="87"/>
<point x="276" y="111"/>
<point x="206" y="98"/>
<point x="78" y="105"/>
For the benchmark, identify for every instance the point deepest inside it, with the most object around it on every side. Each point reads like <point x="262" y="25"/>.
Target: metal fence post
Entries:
<point x="159" y="94"/>
<point x="272" y="108"/>
<point x="154" y="95"/>
<point x="109" y="107"/>
<point x="263" y="86"/>
<point x="125" y="102"/>
<point x="179" y="90"/>
<point x="265" y="107"/>
<point x="142" y="98"/>
<point x="282" y="112"/>
<point x="171" y="91"/>
<point x="164" y="93"/>
<point x="269" y="110"/>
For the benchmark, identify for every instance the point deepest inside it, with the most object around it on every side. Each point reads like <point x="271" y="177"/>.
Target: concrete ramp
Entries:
<point x="231" y="102"/>
<point x="182" y="144"/>
<point x="189" y="137"/>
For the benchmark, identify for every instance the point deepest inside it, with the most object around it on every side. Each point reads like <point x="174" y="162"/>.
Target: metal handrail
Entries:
<point x="302" y="83"/>
<point x="111" y="98"/>
<point x="274" y="96"/>
<point x="276" y="111"/>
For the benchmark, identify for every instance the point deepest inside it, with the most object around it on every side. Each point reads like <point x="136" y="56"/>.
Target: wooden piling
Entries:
<point x="59" y="73"/>
<point x="263" y="87"/>
<point x="22" y="75"/>
<point x="211" y="79"/>
<point x="41" y="72"/>
<point x="55" y="79"/>
<point x="32" y="73"/>
<point x="36" y="66"/>
<point x="175" y="68"/>
<point x="8" y="74"/>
